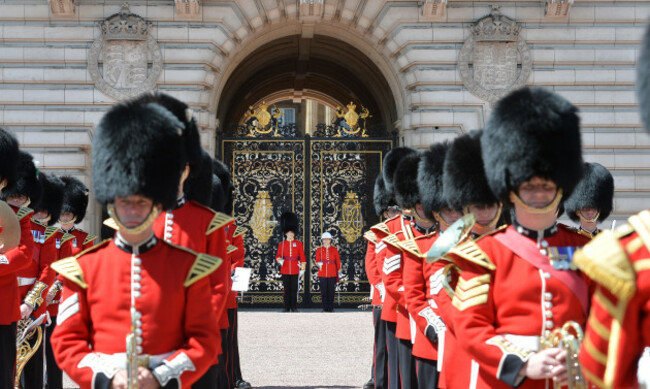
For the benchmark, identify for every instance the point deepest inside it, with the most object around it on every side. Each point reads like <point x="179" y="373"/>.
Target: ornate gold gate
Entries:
<point x="328" y="183"/>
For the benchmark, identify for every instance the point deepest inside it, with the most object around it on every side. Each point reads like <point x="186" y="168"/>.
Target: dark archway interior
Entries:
<point x="301" y="65"/>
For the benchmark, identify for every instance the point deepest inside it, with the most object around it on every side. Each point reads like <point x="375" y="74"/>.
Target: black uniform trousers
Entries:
<point x="406" y="363"/>
<point x="54" y="374"/>
<point x="232" y="364"/>
<point x="379" y="363"/>
<point x="290" y="283"/>
<point x="32" y="377"/>
<point x="7" y="355"/>
<point x="327" y="288"/>
<point x="393" y="360"/>
<point x="216" y="376"/>
<point x="427" y="372"/>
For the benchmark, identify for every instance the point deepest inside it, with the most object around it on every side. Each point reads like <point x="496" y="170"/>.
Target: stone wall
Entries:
<point x="49" y="99"/>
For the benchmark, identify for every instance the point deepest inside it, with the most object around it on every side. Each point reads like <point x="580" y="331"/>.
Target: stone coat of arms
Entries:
<point x="125" y="61"/>
<point x="495" y="59"/>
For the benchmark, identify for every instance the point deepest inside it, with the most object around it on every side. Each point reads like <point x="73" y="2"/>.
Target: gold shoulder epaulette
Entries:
<point x="111" y="223"/>
<point x="203" y="266"/>
<point x="604" y="260"/>
<point x="70" y="269"/>
<point x="50" y="231"/>
<point x="411" y="246"/>
<point x="392" y="240"/>
<point x="231" y="249"/>
<point x="66" y="237"/>
<point x="90" y="238"/>
<point x="23" y="211"/>
<point x="471" y="252"/>
<point x="370" y="236"/>
<point x="34" y="221"/>
<point x="219" y="220"/>
<point x="498" y="229"/>
<point x="239" y="231"/>
<point x="381" y="227"/>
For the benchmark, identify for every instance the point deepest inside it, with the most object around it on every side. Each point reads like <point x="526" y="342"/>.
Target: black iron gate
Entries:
<point x="328" y="183"/>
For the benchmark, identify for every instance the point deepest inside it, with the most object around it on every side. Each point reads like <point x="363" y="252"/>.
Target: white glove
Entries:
<point x="320" y="265"/>
<point x="281" y="261"/>
<point x="340" y="274"/>
<point x="382" y="290"/>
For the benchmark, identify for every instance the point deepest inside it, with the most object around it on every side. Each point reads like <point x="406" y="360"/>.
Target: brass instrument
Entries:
<point x="28" y="340"/>
<point x="568" y="338"/>
<point x="455" y="234"/>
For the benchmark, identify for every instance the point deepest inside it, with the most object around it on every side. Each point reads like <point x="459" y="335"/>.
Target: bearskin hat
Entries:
<point x="191" y="136"/>
<point x="289" y="222"/>
<point x="8" y="156"/>
<point x="75" y="197"/>
<point x="595" y="190"/>
<point x="463" y="178"/>
<point x="52" y="196"/>
<point x="532" y="132"/>
<point x="221" y="170"/>
<point x="135" y="151"/>
<point x="430" y="179"/>
<point x="643" y="79"/>
<point x="26" y="180"/>
<point x="382" y="198"/>
<point x="198" y="187"/>
<point x="218" y="199"/>
<point x="391" y="160"/>
<point x="405" y="181"/>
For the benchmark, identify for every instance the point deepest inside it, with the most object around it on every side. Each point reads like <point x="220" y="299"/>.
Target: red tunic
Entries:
<point x="178" y="327"/>
<point x="618" y="328"/>
<point x="12" y="262"/>
<point x="82" y="240"/>
<point x="504" y="312"/>
<point x="64" y="243"/>
<point x="382" y="230"/>
<point x="236" y="260"/>
<point x="329" y="257"/>
<point x="39" y="270"/>
<point x="372" y="273"/>
<point x="202" y="230"/>
<point x="292" y="252"/>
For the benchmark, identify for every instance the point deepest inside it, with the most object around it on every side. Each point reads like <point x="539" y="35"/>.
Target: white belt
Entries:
<point x="119" y="360"/>
<point x="530" y="342"/>
<point x="24" y="281"/>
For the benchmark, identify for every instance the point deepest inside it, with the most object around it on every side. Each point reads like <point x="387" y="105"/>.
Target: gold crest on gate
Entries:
<point x="351" y="122"/>
<point x="350" y="223"/>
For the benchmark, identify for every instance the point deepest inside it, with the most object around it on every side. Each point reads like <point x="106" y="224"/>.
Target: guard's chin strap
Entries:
<point x="585" y="220"/>
<point x="485" y="228"/>
<point x="441" y="220"/>
<point x="137" y="229"/>
<point x="44" y="220"/>
<point x="552" y="206"/>
<point x="71" y="221"/>
<point x="419" y="219"/>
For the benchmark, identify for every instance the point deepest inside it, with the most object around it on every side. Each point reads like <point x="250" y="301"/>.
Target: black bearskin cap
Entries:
<point x="191" y="137"/>
<point x="52" y="196"/>
<point x="198" y="186"/>
<point x="643" y="80"/>
<point x="26" y="179"/>
<point x="136" y="151"/>
<point x="595" y="190"/>
<point x="532" y="132"/>
<point x="463" y="178"/>
<point x="8" y="156"/>
<point x="221" y="170"/>
<point x="75" y="197"/>
<point x="289" y="222"/>
<point x="382" y="199"/>
<point x="391" y="160"/>
<point x="430" y="179"/>
<point x="405" y="181"/>
<point x="218" y="199"/>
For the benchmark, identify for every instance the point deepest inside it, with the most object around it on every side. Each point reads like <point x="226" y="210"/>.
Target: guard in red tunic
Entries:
<point x="592" y="200"/>
<point x="329" y="265"/>
<point x="70" y="241"/>
<point x="291" y="257"/>
<point x="11" y="260"/>
<point x="36" y="279"/>
<point x="136" y="309"/>
<point x="618" y="328"/>
<point x="531" y="151"/>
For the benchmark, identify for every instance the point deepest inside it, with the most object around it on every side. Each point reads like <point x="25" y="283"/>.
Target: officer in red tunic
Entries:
<point x="618" y="328"/>
<point x="329" y="265"/>
<point x="70" y="241"/>
<point x="136" y="308"/>
<point x="11" y="261"/>
<point x="291" y="257"/>
<point x="592" y="200"/>
<point x="531" y="151"/>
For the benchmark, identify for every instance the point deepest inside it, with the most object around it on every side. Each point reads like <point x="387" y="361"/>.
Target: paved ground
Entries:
<point x="309" y="349"/>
